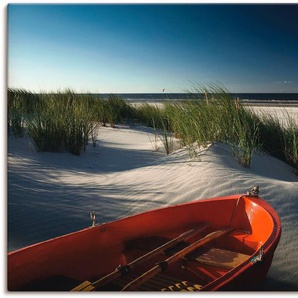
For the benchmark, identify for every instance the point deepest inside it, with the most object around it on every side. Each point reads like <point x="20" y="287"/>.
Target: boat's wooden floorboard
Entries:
<point x="160" y="282"/>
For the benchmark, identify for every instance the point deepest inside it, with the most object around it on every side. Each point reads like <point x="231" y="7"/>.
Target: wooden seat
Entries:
<point x="220" y="258"/>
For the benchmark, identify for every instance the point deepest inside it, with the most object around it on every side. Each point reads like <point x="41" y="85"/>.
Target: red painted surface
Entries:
<point x="98" y="250"/>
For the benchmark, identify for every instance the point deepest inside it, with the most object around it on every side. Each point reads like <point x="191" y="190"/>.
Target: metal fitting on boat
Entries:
<point x="163" y="265"/>
<point x="93" y="218"/>
<point x="124" y="269"/>
<point x="254" y="191"/>
<point x="259" y="257"/>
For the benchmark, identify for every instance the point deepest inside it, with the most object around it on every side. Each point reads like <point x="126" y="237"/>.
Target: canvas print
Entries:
<point x="152" y="147"/>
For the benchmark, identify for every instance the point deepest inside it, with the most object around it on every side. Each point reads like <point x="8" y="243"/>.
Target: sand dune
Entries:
<point x="51" y="194"/>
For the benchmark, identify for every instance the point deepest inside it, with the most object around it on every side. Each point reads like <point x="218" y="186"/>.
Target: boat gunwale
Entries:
<point x="102" y="225"/>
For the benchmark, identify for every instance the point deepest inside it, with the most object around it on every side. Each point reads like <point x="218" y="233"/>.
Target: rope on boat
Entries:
<point x="254" y="192"/>
<point x="235" y="210"/>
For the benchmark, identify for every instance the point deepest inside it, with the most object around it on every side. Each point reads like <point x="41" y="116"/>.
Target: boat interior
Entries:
<point x="191" y="272"/>
<point x="181" y="263"/>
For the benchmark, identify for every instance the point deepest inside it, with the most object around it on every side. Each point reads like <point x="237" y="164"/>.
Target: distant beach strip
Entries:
<point x="277" y="99"/>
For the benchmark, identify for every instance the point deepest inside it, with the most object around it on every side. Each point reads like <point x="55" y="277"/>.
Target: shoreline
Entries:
<point x="265" y="103"/>
<point x="273" y="103"/>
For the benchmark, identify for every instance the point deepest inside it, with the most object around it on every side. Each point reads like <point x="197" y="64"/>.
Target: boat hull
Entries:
<point x="96" y="251"/>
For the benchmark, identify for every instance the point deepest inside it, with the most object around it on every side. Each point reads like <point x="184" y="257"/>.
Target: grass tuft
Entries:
<point x="67" y="121"/>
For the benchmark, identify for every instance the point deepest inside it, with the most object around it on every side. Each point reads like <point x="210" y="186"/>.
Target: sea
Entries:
<point x="246" y="98"/>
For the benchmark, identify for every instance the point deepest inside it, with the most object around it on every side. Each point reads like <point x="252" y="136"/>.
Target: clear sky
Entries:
<point x="127" y="48"/>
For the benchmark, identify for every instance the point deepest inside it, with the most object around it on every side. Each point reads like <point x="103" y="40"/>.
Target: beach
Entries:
<point x="128" y="172"/>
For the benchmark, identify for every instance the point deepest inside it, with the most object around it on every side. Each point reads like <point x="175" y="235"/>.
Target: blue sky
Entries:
<point x="126" y="48"/>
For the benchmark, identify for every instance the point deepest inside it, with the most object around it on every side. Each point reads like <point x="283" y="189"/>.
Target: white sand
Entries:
<point x="280" y="113"/>
<point x="51" y="194"/>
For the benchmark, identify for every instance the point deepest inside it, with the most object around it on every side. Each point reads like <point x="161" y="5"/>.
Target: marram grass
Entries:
<point x="67" y="121"/>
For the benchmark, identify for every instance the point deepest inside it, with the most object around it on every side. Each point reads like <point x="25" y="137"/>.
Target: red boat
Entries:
<point x="224" y="243"/>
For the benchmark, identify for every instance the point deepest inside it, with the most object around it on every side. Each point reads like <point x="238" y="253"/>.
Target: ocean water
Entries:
<point x="282" y="98"/>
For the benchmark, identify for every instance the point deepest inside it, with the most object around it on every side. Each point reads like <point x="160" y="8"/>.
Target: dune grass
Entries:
<point x="218" y="117"/>
<point x="67" y="121"/>
<point x="215" y="118"/>
<point x="63" y="120"/>
<point x="19" y="103"/>
<point x="280" y="138"/>
<point x="290" y="142"/>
